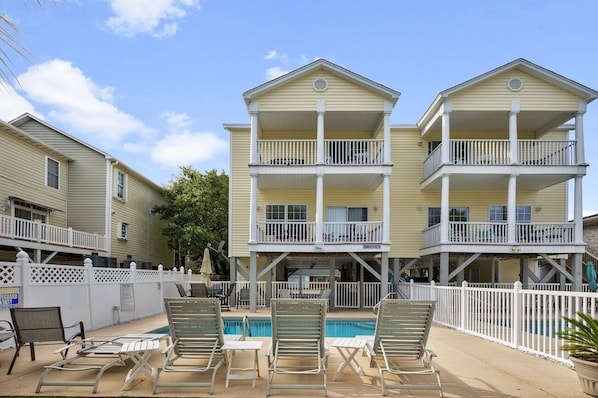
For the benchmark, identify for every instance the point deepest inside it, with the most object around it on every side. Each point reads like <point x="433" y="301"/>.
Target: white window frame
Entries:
<point x="120" y="185"/>
<point x="452" y="214"/>
<point x="47" y="174"/>
<point x="519" y="210"/>
<point x="122" y="231"/>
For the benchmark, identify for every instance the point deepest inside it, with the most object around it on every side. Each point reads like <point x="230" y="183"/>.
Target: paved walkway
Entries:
<point x="469" y="366"/>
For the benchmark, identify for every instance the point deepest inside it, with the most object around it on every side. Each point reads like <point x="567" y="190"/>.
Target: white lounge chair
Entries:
<point x="298" y="343"/>
<point x="399" y="345"/>
<point x="197" y="339"/>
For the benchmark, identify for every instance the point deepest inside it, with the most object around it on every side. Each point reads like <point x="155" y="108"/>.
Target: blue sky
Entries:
<point x="152" y="82"/>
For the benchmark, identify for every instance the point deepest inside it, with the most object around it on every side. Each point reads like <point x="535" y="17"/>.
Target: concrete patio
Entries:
<point x="469" y="367"/>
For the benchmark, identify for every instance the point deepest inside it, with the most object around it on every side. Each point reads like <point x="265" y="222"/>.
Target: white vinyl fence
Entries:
<point x="97" y="296"/>
<point x="520" y="318"/>
<point x="525" y="319"/>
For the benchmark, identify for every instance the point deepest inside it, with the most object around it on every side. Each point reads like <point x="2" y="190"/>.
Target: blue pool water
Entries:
<point x="262" y="327"/>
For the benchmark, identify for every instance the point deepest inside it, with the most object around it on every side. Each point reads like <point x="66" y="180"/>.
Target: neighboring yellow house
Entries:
<point x="62" y="200"/>
<point x="475" y="190"/>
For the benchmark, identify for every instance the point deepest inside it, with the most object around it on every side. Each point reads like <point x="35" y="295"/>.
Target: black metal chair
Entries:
<point x="40" y="325"/>
<point x="181" y="289"/>
<point x="225" y="297"/>
<point x="7" y="332"/>
<point x="199" y="290"/>
<point x="243" y="297"/>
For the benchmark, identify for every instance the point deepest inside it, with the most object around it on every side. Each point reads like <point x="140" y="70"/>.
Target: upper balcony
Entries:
<point x="337" y="236"/>
<point x="33" y="234"/>
<point x="346" y="163"/>
<point x="484" y="163"/>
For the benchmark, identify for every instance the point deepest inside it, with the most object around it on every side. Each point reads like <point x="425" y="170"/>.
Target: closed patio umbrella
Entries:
<point x="206" y="268"/>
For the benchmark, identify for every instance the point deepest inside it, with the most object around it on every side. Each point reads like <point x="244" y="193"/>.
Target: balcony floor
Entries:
<point x="469" y="367"/>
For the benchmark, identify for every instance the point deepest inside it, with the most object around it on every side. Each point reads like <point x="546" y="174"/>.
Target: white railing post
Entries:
<point x="517" y="314"/>
<point x="161" y="279"/>
<point x="133" y="281"/>
<point x="88" y="266"/>
<point x="23" y="270"/>
<point x="464" y="320"/>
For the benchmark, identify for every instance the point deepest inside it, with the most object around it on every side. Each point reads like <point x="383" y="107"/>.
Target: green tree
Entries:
<point x="196" y="212"/>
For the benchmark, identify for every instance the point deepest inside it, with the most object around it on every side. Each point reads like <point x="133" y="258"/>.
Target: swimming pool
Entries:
<point x="262" y="327"/>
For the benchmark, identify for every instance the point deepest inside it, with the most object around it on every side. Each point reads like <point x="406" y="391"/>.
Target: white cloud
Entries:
<point x="276" y="56"/>
<point x="186" y="148"/>
<point x="274" y="72"/>
<point x="157" y="18"/>
<point x="13" y="105"/>
<point x="77" y="101"/>
<point x="176" y="120"/>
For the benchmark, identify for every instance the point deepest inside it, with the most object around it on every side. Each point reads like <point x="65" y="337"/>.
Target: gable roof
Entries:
<point x="26" y="117"/>
<point x="322" y="64"/>
<point x="523" y="65"/>
<point x="534" y="70"/>
<point x="9" y="128"/>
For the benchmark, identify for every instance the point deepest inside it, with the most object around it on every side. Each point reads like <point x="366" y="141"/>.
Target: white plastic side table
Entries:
<point x="249" y="373"/>
<point x="348" y="348"/>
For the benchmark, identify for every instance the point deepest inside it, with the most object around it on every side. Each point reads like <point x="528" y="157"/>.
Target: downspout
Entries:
<point x="110" y="163"/>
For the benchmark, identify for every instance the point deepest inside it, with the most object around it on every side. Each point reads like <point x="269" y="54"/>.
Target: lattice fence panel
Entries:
<point x="56" y="274"/>
<point x="7" y="274"/>
<point x="147" y="276"/>
<point x="112" y="275"/>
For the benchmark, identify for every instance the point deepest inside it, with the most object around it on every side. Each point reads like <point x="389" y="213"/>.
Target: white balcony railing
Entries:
<point x="305" y="232"/>
<point x="35" y="231"/>
<point x="336" y="152"/>
<point x="497" y="152"/>
<point x="496" y="233"/>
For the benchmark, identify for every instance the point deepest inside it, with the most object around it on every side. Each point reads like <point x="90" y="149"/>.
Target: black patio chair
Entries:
<point x="41" y="325"/>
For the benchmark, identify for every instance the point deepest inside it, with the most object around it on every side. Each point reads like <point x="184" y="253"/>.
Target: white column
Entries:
<point x="511" y="208"/>
<point x="253" y="208"/>
<point x="580" y="150"/>
<point x="446" y="131"/>
<point x="252" y="281"/>
<point x="254" y="158"/>
<point x="515" y="106"/>
<point x="320" y="155"/>
<point x="384" y="274"/>
<point x="387" y="147"/>
<point x="444" y="209"/>
<point x="578" y="210"/>
<point x="386" y="208"/>
<point x="319" y="208"/>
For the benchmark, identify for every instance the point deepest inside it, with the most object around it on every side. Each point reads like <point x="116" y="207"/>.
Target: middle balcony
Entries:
<point x="346" y="163"/>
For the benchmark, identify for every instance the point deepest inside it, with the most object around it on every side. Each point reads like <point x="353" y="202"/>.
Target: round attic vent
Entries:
<point x="515" y="84"/>
<point x="320" y="84"/>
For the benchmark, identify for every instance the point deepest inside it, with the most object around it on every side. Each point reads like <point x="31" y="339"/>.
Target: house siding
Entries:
<point x="89" y="203"/>
<point x="493" y="94"/>
<point x="87" y="179"/>
<point x="240" y="188"/>
<point x="341" y="95"/>
<point x="407" y="201"/>
<point x="145" y="241"/>
<point x="29" y="183"/>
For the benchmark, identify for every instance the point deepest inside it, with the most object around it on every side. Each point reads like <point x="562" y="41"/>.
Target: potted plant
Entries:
<point x="580" y="338"/>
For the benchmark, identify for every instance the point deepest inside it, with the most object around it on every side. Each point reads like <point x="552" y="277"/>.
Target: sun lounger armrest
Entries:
<point x="62" y="350"/>
<point x="369" y="350"/>
<point x="168" y="349"/>
<point x="428" y="356"/>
